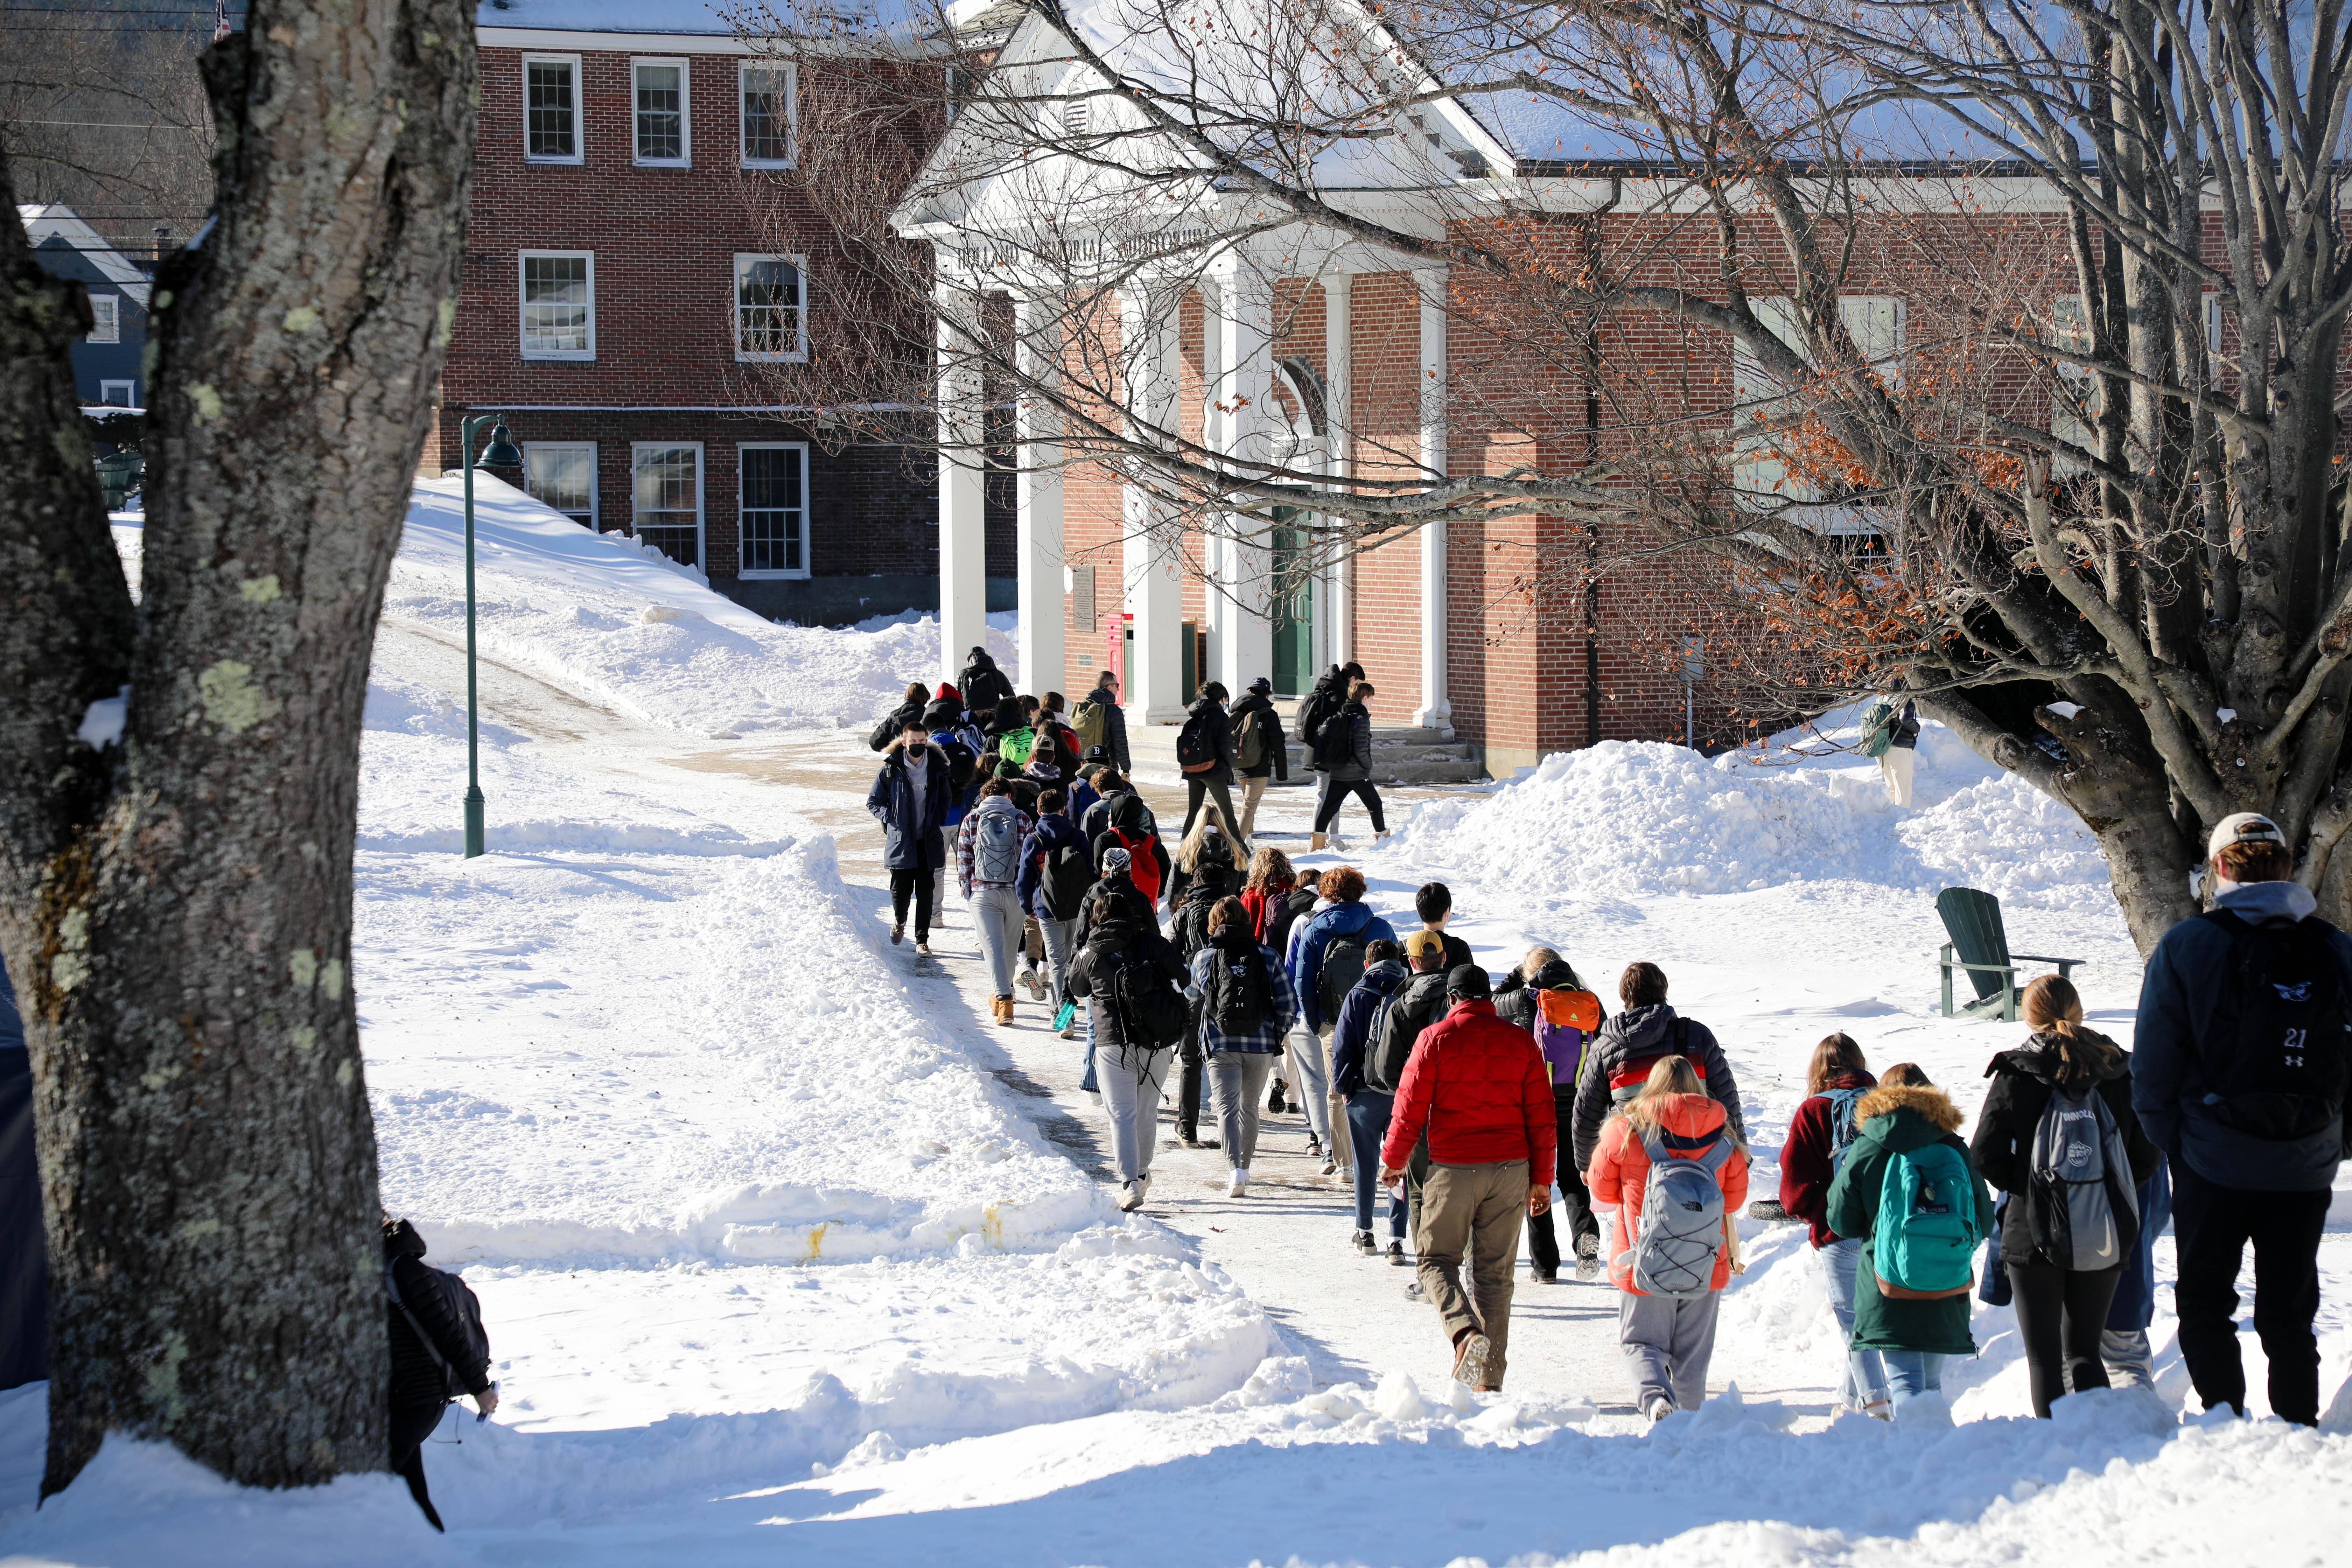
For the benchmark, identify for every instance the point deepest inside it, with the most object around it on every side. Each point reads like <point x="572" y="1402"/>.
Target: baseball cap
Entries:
<point x="1421" y="944"/>
<point x="2242" y="827"/>
<point x="1260" y="684"/>
<point x="1116" y="862"/>
<point x="1469" y="983"/>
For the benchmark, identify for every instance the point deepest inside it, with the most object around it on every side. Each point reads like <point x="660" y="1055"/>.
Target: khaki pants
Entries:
<point x="1477" y="1209"/>
<point x="1336" y="1145"/>
<point x="1253" y="790"/>
<point x="1896" y="764"/>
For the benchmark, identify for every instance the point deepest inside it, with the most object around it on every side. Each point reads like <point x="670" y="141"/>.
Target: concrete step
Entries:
<point x="1400" y="754"/>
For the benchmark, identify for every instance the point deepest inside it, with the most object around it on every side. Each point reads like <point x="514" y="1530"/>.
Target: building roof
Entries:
<point x="51" y="224"/>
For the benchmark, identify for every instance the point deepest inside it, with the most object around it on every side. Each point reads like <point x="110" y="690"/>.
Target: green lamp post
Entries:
<point x="500" y="454"/>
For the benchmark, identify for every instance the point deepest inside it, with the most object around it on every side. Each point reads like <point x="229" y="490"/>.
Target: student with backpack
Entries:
<point x="1343" y="751"/>
<point x="1370" y="1102"/>
<point x="1433" y="903"/>
<point x="988" y="871"/>
<point x="1128" y="974"/>
<point x="1211" y="884"/>
<point x="1204" y="751"/>
<point x="2255" y="1130"/>
<point x="1286" y="916"/>
<point x="1550" y="1001"/>
<point x="1617" y="1064"/>
<point x="1820" y="1135"/>
<point x="1420" y="1002"/>
<point x="440" y="1351"/>
<point x="1099" y="721"/>
<point x="1246" y="1005"/>
<point x="909" y="799"/>
<point x="1913" y="1206"/>
<point x="893" y="724"/>
<point x="1328" y="696"/>
<point x="1261" y="750"/>
<point x="1209" y="840"/>
<point x="1327" y="962"/>
<point x="1127" y="825"/>
<point x="1478" y="1091"/>
<point x="1056" y="869"/>
<point x="1673" y="1171"/>
<point x="982" y="684"/>
<point x="2058" y="1134"/>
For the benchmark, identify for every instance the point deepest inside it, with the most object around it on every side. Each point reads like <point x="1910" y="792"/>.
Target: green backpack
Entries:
<point x="1924" y="1242"/>
<point x="1014" y="746"/>
<point x="1091" y="723"/>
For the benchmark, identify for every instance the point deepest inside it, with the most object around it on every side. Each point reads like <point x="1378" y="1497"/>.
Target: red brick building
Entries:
<point x="637" y="262"/>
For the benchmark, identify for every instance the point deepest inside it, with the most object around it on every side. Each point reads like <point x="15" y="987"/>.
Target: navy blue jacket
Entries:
<point x="907" y="844"/>
<point x="1353" y="1032"/>
<point x="2188" y="1019"/>
<point x="1052" y="832"/>
<point x="1351" y="919"/>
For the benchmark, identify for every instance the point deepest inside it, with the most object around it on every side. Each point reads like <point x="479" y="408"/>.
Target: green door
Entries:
<point x="1294" y="611"/>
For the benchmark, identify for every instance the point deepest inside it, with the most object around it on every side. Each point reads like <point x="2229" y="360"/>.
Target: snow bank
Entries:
<point x="625" y="626"/>
<point x="1625" y="818"/>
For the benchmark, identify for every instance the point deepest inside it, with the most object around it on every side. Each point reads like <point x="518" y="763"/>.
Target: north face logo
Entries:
<point x="2300" y="992"/>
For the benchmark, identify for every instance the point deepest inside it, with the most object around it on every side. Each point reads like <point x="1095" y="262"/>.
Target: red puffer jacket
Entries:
<point x="1480" y="1086"/>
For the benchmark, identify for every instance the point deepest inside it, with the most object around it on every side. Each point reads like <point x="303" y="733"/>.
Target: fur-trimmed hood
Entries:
<point x="1932" y="1105"/>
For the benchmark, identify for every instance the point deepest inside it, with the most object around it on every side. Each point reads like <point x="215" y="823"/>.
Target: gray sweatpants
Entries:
<point x="1130" y="1080"/>
<point x="1667" y="1343"/>
<point x="1059" y="949"/>
<point x="996" y="911"/>
<point x="1237" y="1085"/>
<point x="1310" y="1076"/>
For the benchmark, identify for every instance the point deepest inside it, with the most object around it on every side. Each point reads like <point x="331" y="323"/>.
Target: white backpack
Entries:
<point x="1681" y="1232"/>
<point x="996" y="848"/>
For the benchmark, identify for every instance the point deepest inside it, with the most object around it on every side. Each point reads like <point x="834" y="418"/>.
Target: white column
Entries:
<point x="1334" y="611"/>
<point x="1214" y="426"/>
<point x="1037" y="325"/>
<point x="1434" y="711"/>
<point x="963" y="493"/>
<point x="1243" y="386"/>
<point x="1149" y="359"/>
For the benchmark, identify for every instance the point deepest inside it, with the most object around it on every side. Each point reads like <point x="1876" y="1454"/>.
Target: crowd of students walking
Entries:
<point x="1471" y="1102"/>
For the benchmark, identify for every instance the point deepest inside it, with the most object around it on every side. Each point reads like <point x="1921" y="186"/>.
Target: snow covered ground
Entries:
<point x="775" y="1262"/>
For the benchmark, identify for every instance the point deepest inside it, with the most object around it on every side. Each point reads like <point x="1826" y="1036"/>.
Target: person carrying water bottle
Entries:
<point x="1819" y="1136"/>
<point x="1674" y="1171"/>
<point x="1913" y="1208"/>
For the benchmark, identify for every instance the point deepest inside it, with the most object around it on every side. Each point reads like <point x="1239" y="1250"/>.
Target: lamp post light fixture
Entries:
<point x="500" y="454"/>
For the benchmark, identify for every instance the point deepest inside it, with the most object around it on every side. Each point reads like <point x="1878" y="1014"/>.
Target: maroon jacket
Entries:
<point x="1805" y="1173"/>
<point x="1480" y="1086"/>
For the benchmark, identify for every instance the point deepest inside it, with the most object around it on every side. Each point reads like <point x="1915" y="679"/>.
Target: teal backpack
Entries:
<point x="1924" y="1244"/>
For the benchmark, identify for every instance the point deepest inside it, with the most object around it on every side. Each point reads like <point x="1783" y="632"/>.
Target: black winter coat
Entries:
<point x="1347" y="752"/>
<point x="1331" y="691"/>
<point x="1210" y="717"/>
<point x="1642" y="1034"/>
<point x="1106" y="950"/>
<point x="892" y="725"/>
<point x="911" y="842"/>
<point x="1274" y="756"/>
<point x="1114" y="741"/>
<point x="1420" y="1002"/>
<point x="1112" y="900"/>
<point x="982" y="684"/>
<point x="417" y="1378"/>
<point x="2002" y="1146"/>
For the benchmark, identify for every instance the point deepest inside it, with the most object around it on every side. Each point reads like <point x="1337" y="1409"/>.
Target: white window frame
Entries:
<point x="685" y="159"/>
<point x="790" y="72"/>
<point x="808" y="543"/>
<point x="579" y="153"/>
<point x="129" y="394"/>
<point x="2070" y="327"/>
<point x="1759" y="469"/>
<point x="701" y="495"/>
<point x="105" y="319"/>
<point x="523" y="337"/>
<point x="595" y="504"/>
<point x="797" y="353"/>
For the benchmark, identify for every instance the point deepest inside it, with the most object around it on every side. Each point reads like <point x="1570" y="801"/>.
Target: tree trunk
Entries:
<point x="178" y="910"/>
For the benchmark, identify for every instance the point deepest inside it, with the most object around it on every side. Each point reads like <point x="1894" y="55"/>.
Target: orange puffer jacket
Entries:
<point x="1620" y="1171"/>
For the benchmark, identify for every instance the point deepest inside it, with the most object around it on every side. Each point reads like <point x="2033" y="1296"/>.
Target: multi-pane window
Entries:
<point x="119" y="393"/>
<point x="770" y="305"/>
<point x="2074" y="390"/>
<point x="106" y="318"/>
<point x="666" y="490"/>
<point x="773" y="511"/>
<point x="550" y="108"/>
<point x="660" y="91"/>
<point x="767" y="95"/>
<point x="563" y="475"/>
<point x="1760" y="471"/>
<point x="559" y="304"/>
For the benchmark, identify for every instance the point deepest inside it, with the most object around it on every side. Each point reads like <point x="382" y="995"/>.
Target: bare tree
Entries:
<point x="176" y="894"/>
<point x="2077" y="490"/>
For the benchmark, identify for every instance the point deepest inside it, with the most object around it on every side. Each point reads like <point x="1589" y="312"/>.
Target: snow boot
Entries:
<point x="1313" y="842"/>
<point x="897" y="934"/>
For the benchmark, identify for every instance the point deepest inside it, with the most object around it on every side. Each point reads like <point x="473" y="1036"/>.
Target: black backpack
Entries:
<point x="2285" y="1074"/>
<point x="1383" y="1071"/>
<point x="1152" y="1012"/>
<point x="457" y="1299"/>
<point x="1192" y="926"/>
<point x="1343" y="965"/>
<point x="1241" y="993"/>
<point x="1195" y="753"/>
<point x="1062" y="881"/>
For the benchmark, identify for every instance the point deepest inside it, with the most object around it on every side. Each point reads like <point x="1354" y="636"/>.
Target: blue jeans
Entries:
<point x="1910" y="1374"/>
<point x="1864" y="1379"/>
<point x="1368" y="1123"/>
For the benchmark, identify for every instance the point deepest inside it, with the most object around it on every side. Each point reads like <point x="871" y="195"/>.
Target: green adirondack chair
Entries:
<point x="1979" y="948"/>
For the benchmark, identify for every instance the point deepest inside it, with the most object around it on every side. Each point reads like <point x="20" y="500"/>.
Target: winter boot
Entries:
<point x="1314" y="842"/>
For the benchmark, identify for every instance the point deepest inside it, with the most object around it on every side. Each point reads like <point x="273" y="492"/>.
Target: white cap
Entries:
<point x="2242" y="827"/>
